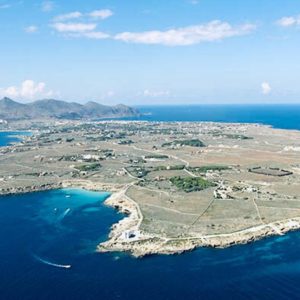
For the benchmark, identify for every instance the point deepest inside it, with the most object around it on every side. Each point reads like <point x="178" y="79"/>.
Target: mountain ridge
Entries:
<point x="59" y="109"/>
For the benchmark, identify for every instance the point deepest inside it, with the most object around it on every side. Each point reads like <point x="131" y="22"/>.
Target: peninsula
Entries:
<point x="180" y="185"/>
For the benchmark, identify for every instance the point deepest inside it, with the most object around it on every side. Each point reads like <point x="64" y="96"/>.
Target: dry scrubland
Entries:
<point x="182" y="185"/>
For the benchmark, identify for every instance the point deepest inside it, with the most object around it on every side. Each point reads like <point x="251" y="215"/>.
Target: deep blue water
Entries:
<point x="35" y="229"/>
<point x="279" y="116"/>
<point x="9" y="137"/>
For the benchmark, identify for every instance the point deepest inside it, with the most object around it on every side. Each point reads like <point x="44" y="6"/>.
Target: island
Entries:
<point x="180" y="185"/>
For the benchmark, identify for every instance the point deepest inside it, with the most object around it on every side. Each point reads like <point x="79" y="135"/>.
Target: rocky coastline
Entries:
<point x="30" y="189"/>
<point x="141" y="244"/>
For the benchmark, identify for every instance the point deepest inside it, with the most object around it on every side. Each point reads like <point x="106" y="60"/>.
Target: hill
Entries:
<point x="57" y="109"/>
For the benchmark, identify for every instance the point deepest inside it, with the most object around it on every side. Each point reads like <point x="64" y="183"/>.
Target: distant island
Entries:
<point x="11" y="110"/>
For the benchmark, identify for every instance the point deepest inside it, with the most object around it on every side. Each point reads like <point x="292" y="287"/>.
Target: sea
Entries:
<point x="9" y="137"/>
<point x="278" y="116"/>
<point x="48" y="241"/>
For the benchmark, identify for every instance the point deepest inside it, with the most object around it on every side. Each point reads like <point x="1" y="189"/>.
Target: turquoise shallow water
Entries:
<point x="8" y="137"/>
<point x="38" y="237"/>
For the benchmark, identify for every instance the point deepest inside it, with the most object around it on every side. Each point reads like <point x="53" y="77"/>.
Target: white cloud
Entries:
<point x="84" y="28"/>
<point x="96" y="35"/>
<point x="96" y="14"/>
<point x="77" y="30"/>
<point x="93" y="35"/>
<point x="108" y="94"/>
<point x="212" y="31"/>
<point x="102" y="14"/>
<point x="31" y="29"/>
<point x="28" y="90"/>
<point x="47" y="6"/>
<point x="155" y="94"/>
<point x="69" y="16"/>
<point x="289" y="21"/>
<point x="266" y="88"/>
<point x="74" y="27"/>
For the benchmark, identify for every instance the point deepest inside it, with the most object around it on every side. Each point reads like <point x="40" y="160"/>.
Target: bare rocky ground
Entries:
<point x="138" y="161"/>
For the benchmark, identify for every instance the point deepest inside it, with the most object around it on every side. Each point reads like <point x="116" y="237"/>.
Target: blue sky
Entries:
<point x="151" y="52"/>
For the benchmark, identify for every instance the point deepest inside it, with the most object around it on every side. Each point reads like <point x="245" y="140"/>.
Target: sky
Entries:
<point x="151" y="51"/>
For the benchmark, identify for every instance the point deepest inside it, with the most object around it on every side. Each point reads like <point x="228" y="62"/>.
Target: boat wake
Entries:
<point x="64" y="214"/>
<point x="49" y="263"/>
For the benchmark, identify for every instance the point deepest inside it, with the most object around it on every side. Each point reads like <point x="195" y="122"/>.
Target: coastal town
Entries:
<point x="180" y="185"/>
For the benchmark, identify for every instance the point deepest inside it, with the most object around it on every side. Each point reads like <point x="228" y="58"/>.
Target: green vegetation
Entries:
<point x="238" y="137"/>
<point x="68" y="158"/>
<point x="125" y="142"/>
<point x="69" y="140"/>
<point x="233" y="136"/>
<point x="204" y="169"/>
<point x="137" y="171"/>
<point x="191" y="184"/>
<point x="138" y="160"/>
<point x="270" y="171"/>
<point x="156" y="156"/>
<point x="171" y="168"/>
<point x="191" y="143"/>
<point x="89" y="167"/>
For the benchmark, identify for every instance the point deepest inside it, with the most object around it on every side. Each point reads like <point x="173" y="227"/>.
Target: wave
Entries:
<point x="49" y="263"/>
